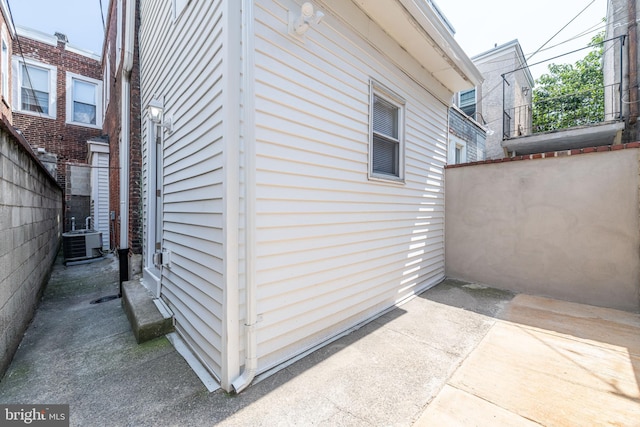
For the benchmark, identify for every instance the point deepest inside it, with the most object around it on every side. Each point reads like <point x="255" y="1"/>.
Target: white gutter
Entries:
<point x="248" y="92"/>
<point x="125" y="107"/>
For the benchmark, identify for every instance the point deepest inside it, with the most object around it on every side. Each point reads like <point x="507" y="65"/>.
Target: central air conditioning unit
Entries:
<point x="81" y="244"/>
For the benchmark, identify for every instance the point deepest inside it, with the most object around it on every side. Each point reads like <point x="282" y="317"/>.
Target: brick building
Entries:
<point x="57" y="106"/>
<point x="121" y="74"/>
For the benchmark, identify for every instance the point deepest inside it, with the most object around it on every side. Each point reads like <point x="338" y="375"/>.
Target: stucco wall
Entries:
<point x="30" y="227"/>
<point x="565" y="227"/>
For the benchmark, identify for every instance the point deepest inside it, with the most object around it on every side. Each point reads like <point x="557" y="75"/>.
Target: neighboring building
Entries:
<point x="293" y="161"/>
<point x="503" y="102"/>
<point x="467" y="137"/>
<point x="618" y="66"/>
<point x="57" y="106"/>
<point x="7" y="34"/>
<point x="120" y="72"/>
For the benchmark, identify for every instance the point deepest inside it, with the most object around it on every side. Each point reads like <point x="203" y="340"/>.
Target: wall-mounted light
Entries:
<point x="298" y="25"/>
<point x="525" y="90"/>
<point x="156" y="113"/>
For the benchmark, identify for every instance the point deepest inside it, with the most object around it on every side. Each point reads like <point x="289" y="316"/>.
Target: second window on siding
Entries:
<point x="386" y="149"/>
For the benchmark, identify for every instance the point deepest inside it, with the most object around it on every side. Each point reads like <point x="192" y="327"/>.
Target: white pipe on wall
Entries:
<point x="251" y="343"/>
<point x="125" y="106"/>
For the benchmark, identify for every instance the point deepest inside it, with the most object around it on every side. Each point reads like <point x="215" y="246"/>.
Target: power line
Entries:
<point x="561" y="29"/>
<point x="104" y="26"/>
<point x="24" y="62"/>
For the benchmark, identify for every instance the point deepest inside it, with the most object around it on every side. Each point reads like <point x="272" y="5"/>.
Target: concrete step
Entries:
<point x="147" y="321"/>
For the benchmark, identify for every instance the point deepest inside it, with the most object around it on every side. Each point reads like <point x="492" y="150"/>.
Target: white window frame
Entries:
<point x="5" y="62"/>
<point x="69" y="94"/>
<point x="106" y="82"/>
<point x="475" y="99"/>
<point x="17" y="86"/>
<point x="376" y="89"/>
<point x="455" y="142"/>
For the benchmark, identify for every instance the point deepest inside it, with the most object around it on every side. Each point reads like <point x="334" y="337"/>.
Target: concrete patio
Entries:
<point x="458" y="354"/>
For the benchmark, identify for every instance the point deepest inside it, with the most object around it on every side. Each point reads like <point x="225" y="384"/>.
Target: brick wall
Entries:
<point x="30" y="228"/>
<point x="112" y="127"/>
<point x="68" y="142"/>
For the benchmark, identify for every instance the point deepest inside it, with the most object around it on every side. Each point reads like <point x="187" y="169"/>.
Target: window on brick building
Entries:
<point x="34" y="86"/>
<point x="35" y="89"/>
<point x="84" y="101"/>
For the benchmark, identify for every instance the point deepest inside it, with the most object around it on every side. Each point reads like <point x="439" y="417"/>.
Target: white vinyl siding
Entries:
<point x="333" y="247"/>
<point x="193" y="166"/>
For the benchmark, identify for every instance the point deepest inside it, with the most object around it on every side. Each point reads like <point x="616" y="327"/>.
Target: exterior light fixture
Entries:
<point x="156" y="113"/>
<point x="299" y="25"/>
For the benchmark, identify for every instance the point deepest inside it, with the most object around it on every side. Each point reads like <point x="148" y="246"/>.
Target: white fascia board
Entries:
<point x="419" y="30"/>
<point x="36" y="35"/>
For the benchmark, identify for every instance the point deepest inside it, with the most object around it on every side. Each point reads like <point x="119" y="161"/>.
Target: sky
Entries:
<point x="479" y="25"/>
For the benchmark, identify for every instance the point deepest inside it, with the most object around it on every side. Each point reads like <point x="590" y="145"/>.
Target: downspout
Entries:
<point x="125" y="117"/>
<point x="248" y="93"/>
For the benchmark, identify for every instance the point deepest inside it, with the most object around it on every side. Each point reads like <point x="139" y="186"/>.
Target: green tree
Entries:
<point x="571" y="94"/>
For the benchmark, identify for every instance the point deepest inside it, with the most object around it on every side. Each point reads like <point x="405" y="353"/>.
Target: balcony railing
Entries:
<point x="584" y="108"/>
<point x="563" y="112"/>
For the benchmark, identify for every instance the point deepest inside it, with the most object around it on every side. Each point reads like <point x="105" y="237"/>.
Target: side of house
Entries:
<point x="300" y="168"/>
<point x="467" y="138"/>
<point x="57" y="106"/>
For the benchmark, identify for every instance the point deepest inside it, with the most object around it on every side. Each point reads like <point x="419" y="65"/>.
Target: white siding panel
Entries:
<point x="333" y="247"/>
<point x="181" y="62"/>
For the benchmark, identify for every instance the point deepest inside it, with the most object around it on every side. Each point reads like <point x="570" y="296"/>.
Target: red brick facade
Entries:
<point x="113" y="124"/>
<point x="67" y="141"/>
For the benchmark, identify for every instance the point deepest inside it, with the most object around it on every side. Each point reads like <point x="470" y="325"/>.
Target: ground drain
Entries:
<point x="104" y="299"/>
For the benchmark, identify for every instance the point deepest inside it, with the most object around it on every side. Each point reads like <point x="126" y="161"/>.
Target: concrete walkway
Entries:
<point x="441" y="359"/>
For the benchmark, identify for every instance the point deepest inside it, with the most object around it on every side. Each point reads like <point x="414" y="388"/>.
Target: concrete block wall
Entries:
<point x="30" y="233"/>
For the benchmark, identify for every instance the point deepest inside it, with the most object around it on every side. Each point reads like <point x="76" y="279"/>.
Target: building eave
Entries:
<point x="419" y="30"/>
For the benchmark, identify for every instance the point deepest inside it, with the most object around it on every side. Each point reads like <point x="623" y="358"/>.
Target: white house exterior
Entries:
<point x="294" y="184"/>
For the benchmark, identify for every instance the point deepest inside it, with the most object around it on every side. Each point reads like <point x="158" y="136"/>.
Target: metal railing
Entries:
<point x="587" y="107"/>
<point x="582" y="108"/>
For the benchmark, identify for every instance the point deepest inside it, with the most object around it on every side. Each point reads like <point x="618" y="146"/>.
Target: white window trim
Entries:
<point x="106" y="82"/>
<point x="5" y="67"/>
<point x="455" y="142"/>
<point x="17" y="86"/>
<point x="378" y="89"/>
<point x="69" y="95"/>
<point x="475" y="98"/>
